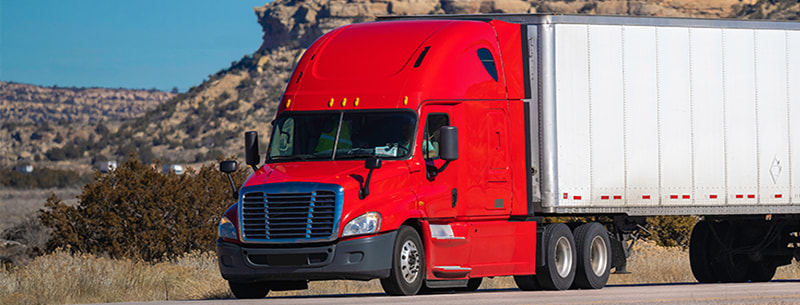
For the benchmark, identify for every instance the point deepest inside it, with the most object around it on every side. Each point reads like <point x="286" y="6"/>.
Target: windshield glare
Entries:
<point x="342" y="135"/>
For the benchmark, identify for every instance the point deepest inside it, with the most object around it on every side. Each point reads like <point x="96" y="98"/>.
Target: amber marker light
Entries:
<point x="405" y="101"/>
<point x="344" y="102"/>
<point x="288" y="103"/>
<point x="355" y="103"/>
<point x="330" y="103"/>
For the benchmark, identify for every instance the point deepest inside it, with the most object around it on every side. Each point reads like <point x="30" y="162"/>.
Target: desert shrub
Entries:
<point x="671" y="231"/>
<point x="136" y="211"/>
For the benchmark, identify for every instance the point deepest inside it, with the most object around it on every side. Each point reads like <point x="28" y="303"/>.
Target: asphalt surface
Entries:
<point x="777" y="292"/>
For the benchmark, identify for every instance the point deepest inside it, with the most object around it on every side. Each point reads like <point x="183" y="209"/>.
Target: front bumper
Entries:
<point x="357" y="259"/>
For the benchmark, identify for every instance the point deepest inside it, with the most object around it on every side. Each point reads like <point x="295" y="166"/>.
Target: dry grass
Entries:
<point x="651" y="264"/>
<point x="63" y="278"/>
<point x="87" y="279"/>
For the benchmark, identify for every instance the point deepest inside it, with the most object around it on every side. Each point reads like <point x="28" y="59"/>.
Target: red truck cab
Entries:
<point x="398" y="152"/>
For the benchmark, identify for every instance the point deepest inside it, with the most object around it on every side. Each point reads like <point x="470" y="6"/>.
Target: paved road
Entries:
<point x="781" y="292"/>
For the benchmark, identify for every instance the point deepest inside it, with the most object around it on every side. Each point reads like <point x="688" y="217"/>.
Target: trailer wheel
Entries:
<point x="732" y="267"/>
<point x="249" y="290"/>
<point x="558" y="271"/>
<point x="594" y="256"/>
<point x="762" y="271"/>
<point x="408" y="264"/>
<point x="700" y="253"/>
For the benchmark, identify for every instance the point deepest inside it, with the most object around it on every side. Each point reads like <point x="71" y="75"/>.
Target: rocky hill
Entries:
<point x="208" y="121"/>
<point x="23" y="103"/>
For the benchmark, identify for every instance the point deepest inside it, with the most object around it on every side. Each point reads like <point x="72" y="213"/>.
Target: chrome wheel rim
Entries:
<point x="409" y="261"/>
<point x="563" y="257"/>
<point x="598" y="256"/>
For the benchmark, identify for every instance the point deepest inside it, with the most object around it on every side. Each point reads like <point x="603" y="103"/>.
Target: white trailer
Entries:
<point x="630" y="117"/>
<point x="635" y="116"/>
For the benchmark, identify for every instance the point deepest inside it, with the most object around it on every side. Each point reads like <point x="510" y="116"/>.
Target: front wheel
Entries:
<point x="249" y="290"/>
<point x="408" y="264"/>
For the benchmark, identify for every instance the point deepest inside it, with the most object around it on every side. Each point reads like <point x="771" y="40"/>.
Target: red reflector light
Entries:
<point x="645" y="196"/>
<point x="617" y="197"/>
<point x="712" y="196"/>
<point x="686" y="196"/>
<point x="566" y="196"/>
<point x="778" y="196"/>
<point x="576" y="197"/>
<point x="673" y="196"/>
<point x="604" y="197"/>
<point x="739" y="196"/>
<point x="751" y="196"/>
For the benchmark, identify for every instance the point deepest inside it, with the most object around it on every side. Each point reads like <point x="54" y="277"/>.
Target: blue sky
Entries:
<point x="130" y="44"/>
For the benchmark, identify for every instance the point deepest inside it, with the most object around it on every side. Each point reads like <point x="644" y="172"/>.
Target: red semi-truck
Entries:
<point x="426" y="152"/>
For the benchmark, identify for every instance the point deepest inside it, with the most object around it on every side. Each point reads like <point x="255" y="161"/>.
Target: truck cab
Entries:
<point x="391" y="158"/>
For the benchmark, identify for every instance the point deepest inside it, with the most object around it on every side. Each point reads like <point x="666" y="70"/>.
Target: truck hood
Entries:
<point x="348" y="174"/>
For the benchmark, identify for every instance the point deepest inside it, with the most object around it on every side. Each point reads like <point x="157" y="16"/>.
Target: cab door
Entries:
<point x="438" y="191"/>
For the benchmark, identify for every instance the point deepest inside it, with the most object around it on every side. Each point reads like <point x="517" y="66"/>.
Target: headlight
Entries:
<point x="227" y="229"/>
<point x="364" y="224"/>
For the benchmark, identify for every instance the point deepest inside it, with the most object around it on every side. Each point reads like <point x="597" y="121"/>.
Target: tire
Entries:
<point x="558" y="271"/>
<point x="762" y="271"/>
<point x="249" y="290"/>
<point x="408" y="264"/>
<point x="728" y="266"/>
<point x="700" y="253"/>
<point x="594" y="256"/>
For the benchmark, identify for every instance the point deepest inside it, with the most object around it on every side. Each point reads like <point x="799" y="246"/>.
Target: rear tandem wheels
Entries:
<point x="741" y="249"/>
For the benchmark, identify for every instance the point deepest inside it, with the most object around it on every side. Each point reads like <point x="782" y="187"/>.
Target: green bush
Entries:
<point x="136" y="211"/>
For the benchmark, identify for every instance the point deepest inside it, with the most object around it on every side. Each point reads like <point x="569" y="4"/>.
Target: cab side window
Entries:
<point x="488" y="62"/>
<point x="430" y="140"/>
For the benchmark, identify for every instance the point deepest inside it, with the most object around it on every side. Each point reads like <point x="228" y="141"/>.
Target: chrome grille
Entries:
<point x="277" y="216"/>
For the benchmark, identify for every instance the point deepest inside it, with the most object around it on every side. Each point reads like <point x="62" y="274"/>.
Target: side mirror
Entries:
<point x="251" y="149"/>
<point x="372" y="163"/>
<point x="228" y="166"/>
<point x="448" y="143"/>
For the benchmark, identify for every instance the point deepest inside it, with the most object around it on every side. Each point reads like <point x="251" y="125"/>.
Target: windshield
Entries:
<point x="342" y="135"/>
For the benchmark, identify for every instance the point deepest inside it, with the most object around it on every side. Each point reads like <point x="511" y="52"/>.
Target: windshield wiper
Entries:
<point x="355" y="156"/>
<point x="356" y="153"/>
